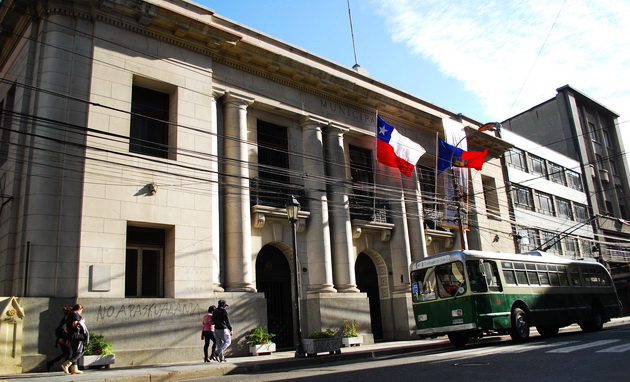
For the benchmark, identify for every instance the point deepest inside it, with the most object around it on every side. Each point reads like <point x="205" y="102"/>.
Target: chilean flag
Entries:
<point x="395" y="150"/>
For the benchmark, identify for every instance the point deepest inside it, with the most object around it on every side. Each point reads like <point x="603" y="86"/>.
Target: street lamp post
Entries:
<point x="293" y="209"/>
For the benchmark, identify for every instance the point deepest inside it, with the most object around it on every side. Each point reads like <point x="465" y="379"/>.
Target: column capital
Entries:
<point x="237" y="99"/>
<point x="307" y="121"/>
<point x="334" y="128"/>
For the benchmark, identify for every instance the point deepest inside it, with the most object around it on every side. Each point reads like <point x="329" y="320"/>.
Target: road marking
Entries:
<point x="615" y="349"/>
<point x="583" y="346"/>
<point x="536" y="346"/>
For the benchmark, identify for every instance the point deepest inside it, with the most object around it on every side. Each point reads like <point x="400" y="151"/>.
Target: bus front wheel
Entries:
<point x="520" y="325"/>
<point x="458" y="339"/>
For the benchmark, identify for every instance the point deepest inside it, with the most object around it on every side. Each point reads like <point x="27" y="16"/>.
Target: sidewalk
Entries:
<point x="249" y="364"/>
<point x="236" y="365"/>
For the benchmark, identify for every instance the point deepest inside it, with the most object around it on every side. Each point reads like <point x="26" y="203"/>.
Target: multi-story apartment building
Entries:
<point x="579" y="127"/>
<point x="547" y="200"/>
<point x="148" y="150"/>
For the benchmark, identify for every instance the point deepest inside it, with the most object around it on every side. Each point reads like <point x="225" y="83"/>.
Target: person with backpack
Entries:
<point x="78" y="336"/>
<point x="207" y="334"/>
<point x="61" y="341"/>
<point x="222" y="330"/>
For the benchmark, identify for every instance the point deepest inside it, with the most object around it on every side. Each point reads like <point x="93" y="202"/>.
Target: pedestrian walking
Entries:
<point x="222" y="330"/>
<point x="207" y="334"/>
<point x="78" y="335"/>
<point x="61" y="341"/>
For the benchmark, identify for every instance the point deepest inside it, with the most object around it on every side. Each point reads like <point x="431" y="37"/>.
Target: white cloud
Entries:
<point x="494" y="48"/>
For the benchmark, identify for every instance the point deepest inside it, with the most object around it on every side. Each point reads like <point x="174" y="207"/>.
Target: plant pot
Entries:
<point x="262" y="349"/>
<point x="96" y="360"/>
<point x="320" y="345"/>
<point x="351" y="341"/>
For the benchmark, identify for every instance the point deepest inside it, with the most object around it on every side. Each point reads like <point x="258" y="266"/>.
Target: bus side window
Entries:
<point x="492" y="276"/>
<point x="562" y="275"/>
<point x="574" y="275"/>
<point x="508" y="273"/>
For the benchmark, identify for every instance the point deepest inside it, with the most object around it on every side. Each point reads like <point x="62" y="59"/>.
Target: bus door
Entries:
<point x="451" y="288"/>
<point x="484" y="280"/>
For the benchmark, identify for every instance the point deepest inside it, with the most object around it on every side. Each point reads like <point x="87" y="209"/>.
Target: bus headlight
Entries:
<point x="422" y="317"/>
<point x="457" y="313"/>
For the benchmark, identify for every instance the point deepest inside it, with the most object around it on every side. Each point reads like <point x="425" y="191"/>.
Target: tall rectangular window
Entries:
<point x="529" y="239"/>
<point x="273" y="152"/>
<point x="545" y="203"/>
<point x="556" y="174"/>
<point x="149" y="131"/>
<point x="490" y="196"/>
<point x="575" y="180"/>
<point x="537" y="166"/>
<point x="522" y="197"/>
<point x="516" y="159"/>
<point x="361" y="170"/>
<point x="551" y="242"/>
<point x="144" y="265"/>
<point x="581" y="213"/>
<point x="564" y="209"/>
<point x="593" y="131"/>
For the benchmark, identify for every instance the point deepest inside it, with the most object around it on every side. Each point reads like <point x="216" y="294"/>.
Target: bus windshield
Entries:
<point x="443" y="281"/>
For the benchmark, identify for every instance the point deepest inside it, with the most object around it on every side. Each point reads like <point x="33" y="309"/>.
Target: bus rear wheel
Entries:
<point x="596" y="323"/>
<point x="520" y="325"/>
<point x="458" y="339"/>
<point x="547" y="330"/>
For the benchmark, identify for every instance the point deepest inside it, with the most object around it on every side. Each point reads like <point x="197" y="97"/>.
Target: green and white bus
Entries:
<point x="466" y="294"/>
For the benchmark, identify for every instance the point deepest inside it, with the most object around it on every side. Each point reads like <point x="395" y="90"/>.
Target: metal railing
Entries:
<point x="368" y="208"/>
<point x="616" y="255"/>
<point x="265" y="192"/>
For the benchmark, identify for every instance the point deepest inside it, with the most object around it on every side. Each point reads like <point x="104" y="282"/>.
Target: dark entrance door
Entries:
<point x="273" y="277"/>
<point x="367" y="282"/>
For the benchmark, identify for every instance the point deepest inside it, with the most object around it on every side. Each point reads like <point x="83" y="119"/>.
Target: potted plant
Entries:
<point x="322" y="341"/>
<point x="98" y="352"/>
<point x="351" y="336"/>
<point x="260" y="341"/>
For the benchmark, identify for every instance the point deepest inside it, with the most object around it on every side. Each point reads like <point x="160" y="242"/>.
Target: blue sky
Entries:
<point x="487" y="59"/>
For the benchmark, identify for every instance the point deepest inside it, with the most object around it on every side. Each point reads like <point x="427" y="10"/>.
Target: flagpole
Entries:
<point x="435" y="174"/>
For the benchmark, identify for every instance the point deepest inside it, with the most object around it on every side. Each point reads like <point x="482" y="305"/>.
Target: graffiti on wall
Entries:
<point x="136" y="311"/>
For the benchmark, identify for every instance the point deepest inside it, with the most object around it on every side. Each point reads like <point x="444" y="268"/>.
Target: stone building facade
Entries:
<point x="148" y="150"/>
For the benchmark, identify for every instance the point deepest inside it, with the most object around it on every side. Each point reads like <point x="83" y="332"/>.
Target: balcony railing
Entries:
<point x="368" y="208"/>
<point x="616" y="255"/>
<point x="265" y="192"/>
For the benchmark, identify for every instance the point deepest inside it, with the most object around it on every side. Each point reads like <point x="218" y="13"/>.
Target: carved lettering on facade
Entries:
<point x="132" y="311"/>
<point x="347" y="111"/>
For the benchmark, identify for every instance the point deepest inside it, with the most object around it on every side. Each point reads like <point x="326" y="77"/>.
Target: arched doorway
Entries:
<point x="367" y="282"/>
<point x="273" y="277"/>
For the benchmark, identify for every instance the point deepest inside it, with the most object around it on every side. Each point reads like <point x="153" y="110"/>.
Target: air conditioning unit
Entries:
<point x="603" y="174"/>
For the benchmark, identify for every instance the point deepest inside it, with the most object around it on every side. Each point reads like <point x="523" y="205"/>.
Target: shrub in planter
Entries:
<point x="98" y="353"/>
<point x="322" y="341"/>
<point x="260" y="341"/>
<point x="351" y="336"/>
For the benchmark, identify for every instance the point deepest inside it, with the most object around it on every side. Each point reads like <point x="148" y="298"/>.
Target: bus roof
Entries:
<point x="532" y="256"/>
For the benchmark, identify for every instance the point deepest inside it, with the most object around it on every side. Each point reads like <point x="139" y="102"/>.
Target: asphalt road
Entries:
<point x="571" y="356"/>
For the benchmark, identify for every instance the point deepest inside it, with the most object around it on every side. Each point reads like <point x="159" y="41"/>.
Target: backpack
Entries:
<point x="60" y="331"/>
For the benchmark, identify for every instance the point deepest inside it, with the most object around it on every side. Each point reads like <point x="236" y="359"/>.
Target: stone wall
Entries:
<point x="142" y="330"/>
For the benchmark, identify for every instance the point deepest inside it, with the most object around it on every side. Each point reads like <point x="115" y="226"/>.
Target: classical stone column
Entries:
<point x="318" y="232"/>
<point x="339" y="212"/>
<point x="238" y="230"/>
<point x="399" y="245"/>
<point x="415" y="220"/>
<point x="214" y="192"/>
